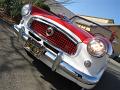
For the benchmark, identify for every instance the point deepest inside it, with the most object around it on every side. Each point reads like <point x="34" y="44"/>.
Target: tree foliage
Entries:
<point x="40" y="3"/>
<point x="2" y="3"/>
<point x="12" y="7"/>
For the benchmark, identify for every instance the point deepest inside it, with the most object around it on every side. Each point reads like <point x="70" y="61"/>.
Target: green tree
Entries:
<point x="13" y="7"/>
<point x="40" y="3"/>
<point x="1" y="3"/>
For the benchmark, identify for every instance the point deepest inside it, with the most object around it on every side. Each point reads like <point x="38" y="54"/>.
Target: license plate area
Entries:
<point x="34" y="48"/>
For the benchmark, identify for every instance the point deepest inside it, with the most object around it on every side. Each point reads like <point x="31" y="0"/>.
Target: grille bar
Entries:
<point x="31" y="34"/>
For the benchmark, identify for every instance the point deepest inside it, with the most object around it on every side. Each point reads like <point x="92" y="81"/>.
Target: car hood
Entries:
<point x="82" y="34"/>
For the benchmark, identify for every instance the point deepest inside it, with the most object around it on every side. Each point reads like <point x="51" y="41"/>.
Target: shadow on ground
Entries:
<point x="59" y="82"/>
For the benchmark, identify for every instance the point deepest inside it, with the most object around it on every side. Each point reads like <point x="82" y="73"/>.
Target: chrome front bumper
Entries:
<point x="56" y="63"/>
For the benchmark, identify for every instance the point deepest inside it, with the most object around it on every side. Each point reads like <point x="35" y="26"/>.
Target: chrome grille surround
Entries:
<point x="56" y="27"/>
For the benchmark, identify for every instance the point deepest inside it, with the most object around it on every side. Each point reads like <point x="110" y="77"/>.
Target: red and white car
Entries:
<point x="70" y="51"/>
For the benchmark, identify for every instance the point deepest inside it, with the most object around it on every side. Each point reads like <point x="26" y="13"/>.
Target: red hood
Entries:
<point x="82" y="34"/>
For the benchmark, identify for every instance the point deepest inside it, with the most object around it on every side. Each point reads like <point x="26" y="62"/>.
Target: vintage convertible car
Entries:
<point x="70" y="51"/>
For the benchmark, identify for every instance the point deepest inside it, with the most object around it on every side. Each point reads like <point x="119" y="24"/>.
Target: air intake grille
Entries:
<point x="57" y="39"/>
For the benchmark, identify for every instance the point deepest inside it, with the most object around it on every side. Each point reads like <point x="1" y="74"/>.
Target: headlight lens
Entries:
<point x="26" y="9"/>
<point x="96" y="48"/>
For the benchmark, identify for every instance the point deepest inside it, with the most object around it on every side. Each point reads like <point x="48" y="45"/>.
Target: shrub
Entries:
<point x="1" y="3"/>
<point x="40" y="4"/>
<point x="13" y="7"/>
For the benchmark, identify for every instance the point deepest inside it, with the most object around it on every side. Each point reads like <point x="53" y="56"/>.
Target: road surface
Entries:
<point x="18" y="71"/>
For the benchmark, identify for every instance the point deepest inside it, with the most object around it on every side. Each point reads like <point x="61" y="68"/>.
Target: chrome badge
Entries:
<point x="49" y="31"/>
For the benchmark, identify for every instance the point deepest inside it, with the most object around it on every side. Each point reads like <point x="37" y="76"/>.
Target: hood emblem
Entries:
<point x="49" y="31"/>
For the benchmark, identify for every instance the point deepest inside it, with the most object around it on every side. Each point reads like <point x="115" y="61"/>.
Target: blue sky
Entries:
<point x="99" y="8"/>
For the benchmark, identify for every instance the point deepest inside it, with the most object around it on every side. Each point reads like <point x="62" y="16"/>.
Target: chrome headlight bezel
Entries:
<point x="97" y="47"/>
<point x="26" y="9"/>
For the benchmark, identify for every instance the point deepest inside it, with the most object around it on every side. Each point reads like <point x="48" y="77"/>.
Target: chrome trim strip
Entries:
<point x="72" y="71"/>
<point x="50" y="55"/>
<point x="53" y="25"/>
<point x="79" y="75"/>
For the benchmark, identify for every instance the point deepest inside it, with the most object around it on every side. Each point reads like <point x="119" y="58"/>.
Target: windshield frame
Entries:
<point x="76" y="16"/>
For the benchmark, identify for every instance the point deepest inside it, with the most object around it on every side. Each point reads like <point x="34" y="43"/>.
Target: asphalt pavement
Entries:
<point x="18" y="71"/>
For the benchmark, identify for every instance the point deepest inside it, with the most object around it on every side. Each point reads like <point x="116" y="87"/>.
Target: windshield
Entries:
<point x="91" y="27"/>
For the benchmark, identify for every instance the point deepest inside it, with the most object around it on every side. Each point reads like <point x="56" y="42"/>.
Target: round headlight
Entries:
<point x="26" y="9"/>
<point x="96" y="48"/>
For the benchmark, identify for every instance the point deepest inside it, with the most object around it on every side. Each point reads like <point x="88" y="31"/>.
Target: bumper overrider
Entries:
<point x="55" y="62"/>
